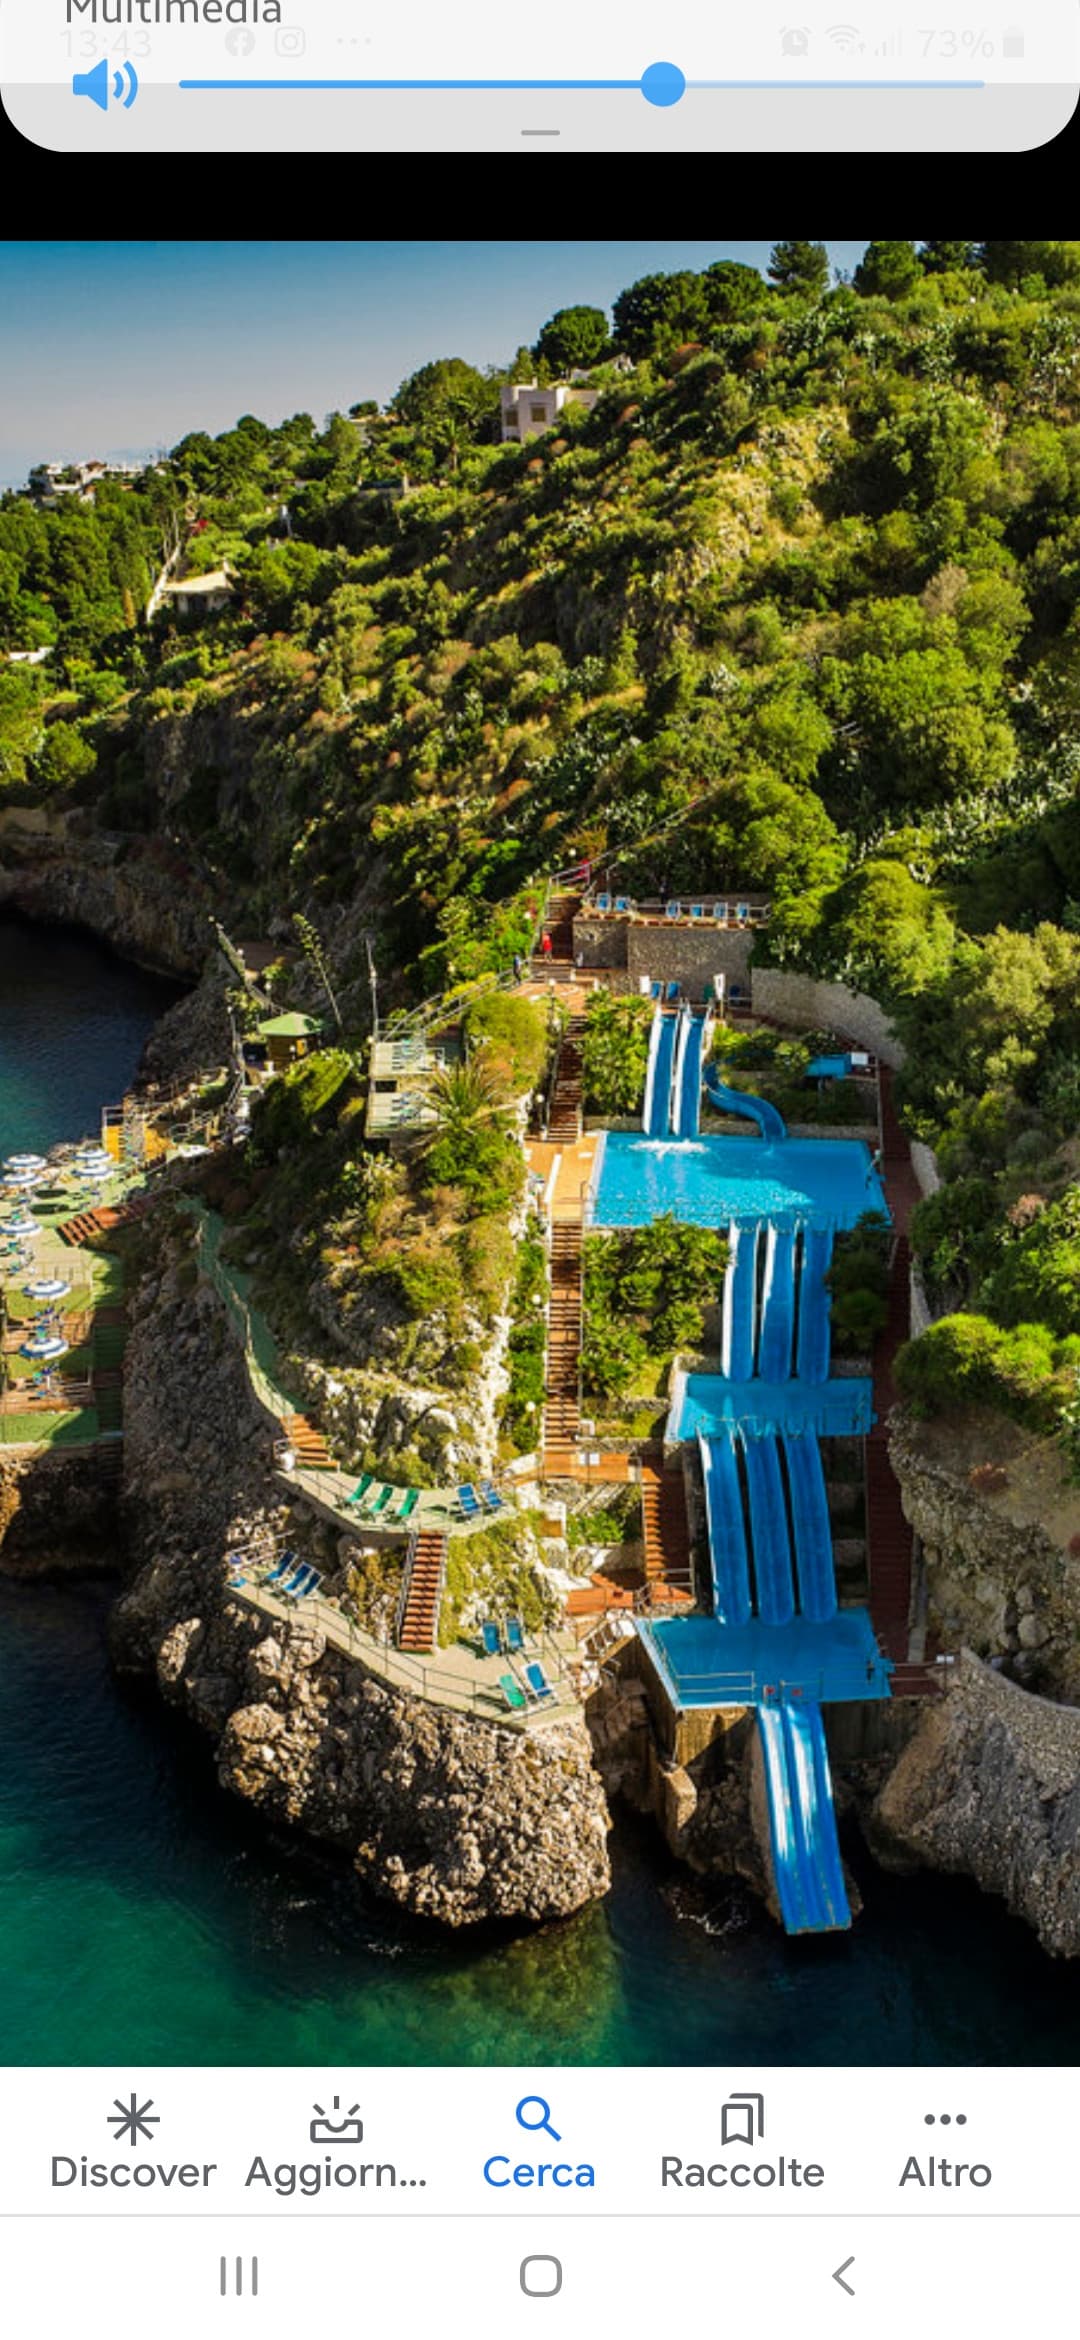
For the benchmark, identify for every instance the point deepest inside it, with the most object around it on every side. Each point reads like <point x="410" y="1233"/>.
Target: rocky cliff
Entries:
<point x="136" y="893"/>
<point x="998" y="1541"/>
<point x="453" y="1818"/>
<point x="988" y="1786"/>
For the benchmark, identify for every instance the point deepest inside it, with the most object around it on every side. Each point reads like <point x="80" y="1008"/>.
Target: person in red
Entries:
<point x="545" y="945"/>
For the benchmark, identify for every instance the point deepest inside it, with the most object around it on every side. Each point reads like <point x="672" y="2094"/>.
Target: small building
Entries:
<point x="198" y="596"/>
<point x="527" y="410"/>
<point x="288" y="1038"/>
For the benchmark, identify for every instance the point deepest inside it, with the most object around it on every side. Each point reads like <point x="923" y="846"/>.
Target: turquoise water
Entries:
<point x="712" y="1664"/>
<point x="147" y="1918"/>
<point x="706" y="1401"/>
<point x="709" y="1181"/>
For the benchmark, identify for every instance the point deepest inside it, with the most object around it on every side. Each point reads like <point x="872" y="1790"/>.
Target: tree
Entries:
<point x="888" y="269"/>
<point x="1012" y="263"/>
<point x="937" y="259"/>
<point x="799" y="268"/>
<point x="615" y="1052"/>
<point x="659" y="311"/>
<point x="512" y="1035"/>
<point x="573" y="337"/>
<point x="448" y="404"/>
<point x="733" y="291"/>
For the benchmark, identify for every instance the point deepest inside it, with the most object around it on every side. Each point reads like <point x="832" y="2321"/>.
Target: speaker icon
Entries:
<point x="95" y="85"/>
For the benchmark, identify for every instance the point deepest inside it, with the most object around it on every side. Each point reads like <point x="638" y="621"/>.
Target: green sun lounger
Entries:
<point x="408" y="1503"/>
<point x="512" y="1692"/>
<point x="361" y="1488"/>
<point x="381" y="1500"/>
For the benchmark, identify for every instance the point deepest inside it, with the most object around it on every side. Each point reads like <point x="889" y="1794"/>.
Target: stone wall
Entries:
<point x="600" y="942"/>
<point x="809" y="1005"/>
<point x="924" y="1164"/>
<point x="690" y="955"/>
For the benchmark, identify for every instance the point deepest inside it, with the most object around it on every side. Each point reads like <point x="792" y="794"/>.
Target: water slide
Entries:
<point x="769" y="1121"/>
<point x="810" y="1521"/>
<point x="740" y="1304"/>
<point x="807" y="1868"/>
<point x="656" y="1116"/>
<point x="777" y="1306"/>
<point x="728" y="1552"/>
<point x="769" y="1532"/>
<point x="688" y="1078"/>
<point x="812" y="1356"/>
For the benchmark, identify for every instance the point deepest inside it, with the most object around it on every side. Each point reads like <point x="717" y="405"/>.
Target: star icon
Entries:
<point x="133" y="2120"/>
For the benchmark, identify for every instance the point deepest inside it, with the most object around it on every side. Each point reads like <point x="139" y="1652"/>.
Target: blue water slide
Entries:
<point x="777" y="1306"/>
<point x="812" y="1354"/>
<point x="769" y="1121"/>
<point x="656" y="1118"/>
<point x="740" y="1304"/>
<point x="688" y="1079"/>
<point x="728" y="1554"/>
<point x="810" y="1522"/>
<point x="769" y="1532"/>
<point x="807" y="1869"/>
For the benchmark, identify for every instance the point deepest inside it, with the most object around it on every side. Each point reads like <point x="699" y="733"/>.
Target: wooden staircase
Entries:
<point x="309" y="1445"/>
<point x="669" y="1571"/>
<point x="561" y="1411"/>
<point x="564" y="1120"/>
<point x="421" y="1597"/>
<point x="89" y="1224"/>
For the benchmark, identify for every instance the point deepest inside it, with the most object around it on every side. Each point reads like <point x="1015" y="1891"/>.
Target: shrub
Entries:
<point x="858" y="1282"/>
<point x="513" y="1036"/>
<point x="966" y="1360"/>
<point x="615" y="1052"/>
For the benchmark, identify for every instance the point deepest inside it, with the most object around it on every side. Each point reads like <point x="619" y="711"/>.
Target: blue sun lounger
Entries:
<point x="623" y="905"/>
<point x="469" y="1502"/>
<point x="306" y="1581"/>
<point x="515" y="1639"/>
<point x="719" y="911"/>
<point x="673" y="909"/>
<point x="603" y="902"/>
<point x="285" y="1567"/>
<point x="489" y="1634"/>
<point x="672" y="992"/>
<point x="538" y="1684"/>
<point x="491" y="1496"/>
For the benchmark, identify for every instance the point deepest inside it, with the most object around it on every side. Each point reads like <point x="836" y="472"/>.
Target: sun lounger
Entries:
<point x="489" y="1635"/>
<point x="408" y="1503"/>
<point x="304" y="1583"/>
<point x="742" y="912"/>
<point x="673" y="909"/>
<point x="719" y="911"/>
<point x="468" y="1502"/>
<point x="697" y="909"/>
<point x="515" y="1638"/>
<point x="672" y="991"/>
<point x="375" y="1510"/>
<point x="512" y="1692"/>
<point x="360" y="1490"/>
<point x="603" y="901"/>
<point x="623" y="905"/>
<point x="539" y="1686"/>
<point x="656" y="991"/>
<point x="285" y="1566"/>
<point x="288" y="1584"/>
<point x="491" y="1496"/>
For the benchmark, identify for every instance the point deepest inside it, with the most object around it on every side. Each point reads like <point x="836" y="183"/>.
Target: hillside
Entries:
<point x="794" y="607"/>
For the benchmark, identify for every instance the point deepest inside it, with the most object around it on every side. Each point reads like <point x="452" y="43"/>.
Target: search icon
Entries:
<point x="544" y="2121"/>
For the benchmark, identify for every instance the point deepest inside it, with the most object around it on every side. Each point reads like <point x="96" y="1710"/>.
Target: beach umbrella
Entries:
<point x="46" y="1288"/>
<point x="23" y="1180"/>
<point x="44" y="1344"/>
<point x="23" y="1227"/>
<point x="26" y="1162"/>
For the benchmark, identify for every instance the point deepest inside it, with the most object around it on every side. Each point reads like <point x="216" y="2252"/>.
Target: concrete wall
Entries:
<point x="924" y="1164"/>
<point x="808" y="1004"/>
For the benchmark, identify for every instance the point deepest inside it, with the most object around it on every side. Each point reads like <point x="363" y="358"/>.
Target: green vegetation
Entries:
<point x="615" y="1052"/>
<point x="522" y="1405"/>
<point x="858" y="1282"/>
<point x="646" y="1292"/>
<point x="513" y="1038"/>
<point x="967" y="1360"/>
<point x="491" y="1573"/>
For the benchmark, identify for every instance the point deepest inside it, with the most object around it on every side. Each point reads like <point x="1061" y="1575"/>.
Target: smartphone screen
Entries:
<point x="539" y="1299"/>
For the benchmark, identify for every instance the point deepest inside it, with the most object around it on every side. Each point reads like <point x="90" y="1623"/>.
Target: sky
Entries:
<point x="112" y="349"/>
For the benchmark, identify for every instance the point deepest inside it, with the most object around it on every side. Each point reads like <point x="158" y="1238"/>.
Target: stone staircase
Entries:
<point x="89" y="1224"/>
<point x="564" y="1120"/>
<point x="559" y="924"/>
<point x="308" y="1443"/>
<point x="561" y="1410"/>
<point x="669" y="1571"/>
<point x="421" y="1596"/>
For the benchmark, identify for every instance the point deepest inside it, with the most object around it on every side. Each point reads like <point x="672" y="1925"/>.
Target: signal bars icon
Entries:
<point x="95" y="85"/>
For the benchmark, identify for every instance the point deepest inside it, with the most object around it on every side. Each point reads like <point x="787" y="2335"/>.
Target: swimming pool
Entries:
<point x="705" y="1663"/>
<point x="832" y="1409"/>
<point x="707" y="1182"/>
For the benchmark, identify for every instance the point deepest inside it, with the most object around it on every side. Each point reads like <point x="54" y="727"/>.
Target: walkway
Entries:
<point x="890" y="1542"/>
<point x="425" y="1575"/>
<point x="562" y="1413"/>
<point x="669" y="1575"/>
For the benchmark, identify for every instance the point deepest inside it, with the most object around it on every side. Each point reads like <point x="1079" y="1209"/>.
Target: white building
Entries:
<point x="527" y="411"/>
<point x="195" y="596"/>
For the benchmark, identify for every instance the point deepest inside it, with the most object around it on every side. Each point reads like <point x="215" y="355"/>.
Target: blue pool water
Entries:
<point x="705" y="1401"/>
<point x="828" y="1068"/>
<point x="709" y="1664"/>
<point x="709" y="1181"/>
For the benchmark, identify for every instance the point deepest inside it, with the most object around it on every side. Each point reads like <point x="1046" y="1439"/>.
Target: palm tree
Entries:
<point x="466" y="1098"/>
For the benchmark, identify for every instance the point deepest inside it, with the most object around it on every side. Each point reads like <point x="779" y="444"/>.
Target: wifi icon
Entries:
<point x="845" y="36"/>
<point x="95" y="85"/>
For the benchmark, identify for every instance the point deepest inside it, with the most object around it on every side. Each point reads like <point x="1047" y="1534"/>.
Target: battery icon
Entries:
<point x="1012" y="44"/>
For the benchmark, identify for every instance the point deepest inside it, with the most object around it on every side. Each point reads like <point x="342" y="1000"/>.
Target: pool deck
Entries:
<point x="704" y="1663"/>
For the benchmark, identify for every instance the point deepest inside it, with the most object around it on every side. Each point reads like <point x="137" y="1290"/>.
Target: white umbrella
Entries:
<point x="26" y="1162"/>
<point x="45" y="1345"/>
<point x="46" y="1288"/>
